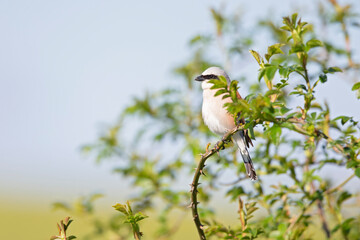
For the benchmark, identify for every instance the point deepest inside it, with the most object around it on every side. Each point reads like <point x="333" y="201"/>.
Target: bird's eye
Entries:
<point x="210" y="76"/>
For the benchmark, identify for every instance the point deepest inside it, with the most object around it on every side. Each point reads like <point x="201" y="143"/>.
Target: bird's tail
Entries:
<point x="239" y="139"/>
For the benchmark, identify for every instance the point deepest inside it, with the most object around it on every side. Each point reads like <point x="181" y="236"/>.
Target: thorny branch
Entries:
<point x="200" y="171"/>
<point x="219" y="146"/>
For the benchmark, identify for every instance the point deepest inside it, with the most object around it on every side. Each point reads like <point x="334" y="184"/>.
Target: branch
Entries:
<point x="330" y="191"/>
<point x="199" y="170"/>
<point x="337" y="147"/>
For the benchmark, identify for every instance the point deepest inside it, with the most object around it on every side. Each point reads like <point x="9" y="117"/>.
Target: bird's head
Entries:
<point x="209" y="74"/>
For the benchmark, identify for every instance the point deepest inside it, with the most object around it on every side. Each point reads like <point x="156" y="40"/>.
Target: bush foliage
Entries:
<point x="159" y="137"/>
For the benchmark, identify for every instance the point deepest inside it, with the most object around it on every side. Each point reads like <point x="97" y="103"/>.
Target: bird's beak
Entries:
<point x="200" y="78"/>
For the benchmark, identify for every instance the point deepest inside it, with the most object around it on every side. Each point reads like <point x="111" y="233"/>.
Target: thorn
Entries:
<point x="190" y="205"/>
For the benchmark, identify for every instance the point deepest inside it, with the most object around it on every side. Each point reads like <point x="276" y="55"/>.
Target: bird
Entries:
<point x="219" y="120"/>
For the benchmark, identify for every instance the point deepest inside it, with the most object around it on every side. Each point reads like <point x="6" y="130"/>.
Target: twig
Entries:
<point x="297" y="219"/>
<point x="198" y="171"/>
<point x="234" y="182"/>
<point x="337" y="147"/>
<point x="311" y="160"/>
<point x="329" y="191"/>
<point x="324" y="223"/>
<point x="242" y="216"/>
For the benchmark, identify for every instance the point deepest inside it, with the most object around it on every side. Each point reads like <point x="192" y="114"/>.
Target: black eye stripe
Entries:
<point x="210" y="76"/>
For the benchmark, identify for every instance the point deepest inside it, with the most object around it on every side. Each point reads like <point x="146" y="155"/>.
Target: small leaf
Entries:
<point x="284" y="72"/>
<point x="270" y="72"/>
<point x="313" y="43"/>
<point x="334" y="69"/>
<point x="257" y="57"/>
<point x="274" y="49"/>
<point x="357" y="172"/>
<point x="121" y="208"/>
<point x="274" y="134"/>
<point x="323" y="78"/>
<point x="356" y="86"/>
<point x="344" y="119"/>
<point x="297" y="48"/>
<point x="343" y="197"/>
<point x="284" y="110"/>
<point x="219" y="92"/>
<point x="139" y="216"/>
<point x="261" y="74"/>
<point x="294" y="17"/>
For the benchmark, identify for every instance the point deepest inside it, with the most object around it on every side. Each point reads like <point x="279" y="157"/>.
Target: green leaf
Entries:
<point x="218" y="83"/>
<point x="284" y="72"/>
<point x="139" y="216"/>
<point x="121" y="208"/>
<point x="261" y="74"/>
<point x="219" y="20"/>
<point x="334" y="69"/>
<point x="251" y="131"/>
<point x="274" y="134"/>
<point x="293" y="18"/>
<point x="344" y="119"/>
<point x="323" y="78"/>
<point x="343" y="197"/>
<point x="219" y="92"/>
<point x="357" y="172"/>
<point x="284" y="110"/>
<point x="297" y="48"/>
<point x="257" y="57"/>
<point x="313" y="43"/>
<point x="346" y="226"/>
<point x="274" y="49"/>
<point x="356" y="86"/>
<point x="235" y="192"/>
<point x="270" y="72"/>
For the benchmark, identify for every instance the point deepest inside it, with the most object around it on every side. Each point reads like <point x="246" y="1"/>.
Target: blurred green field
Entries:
<point x="34" y="222"/>
<point x="38" y="221"/>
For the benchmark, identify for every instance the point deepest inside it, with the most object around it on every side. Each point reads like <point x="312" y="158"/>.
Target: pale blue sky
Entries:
<point x="68" y="66"/>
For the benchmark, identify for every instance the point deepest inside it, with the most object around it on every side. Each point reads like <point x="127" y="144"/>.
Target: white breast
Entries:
<point x="214" y="114"/>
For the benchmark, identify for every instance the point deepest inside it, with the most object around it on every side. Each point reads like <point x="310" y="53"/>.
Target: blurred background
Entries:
<point x="68" y="68"/>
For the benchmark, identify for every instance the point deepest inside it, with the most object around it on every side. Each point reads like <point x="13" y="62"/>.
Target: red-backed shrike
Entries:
<point x="219" y="120"/>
